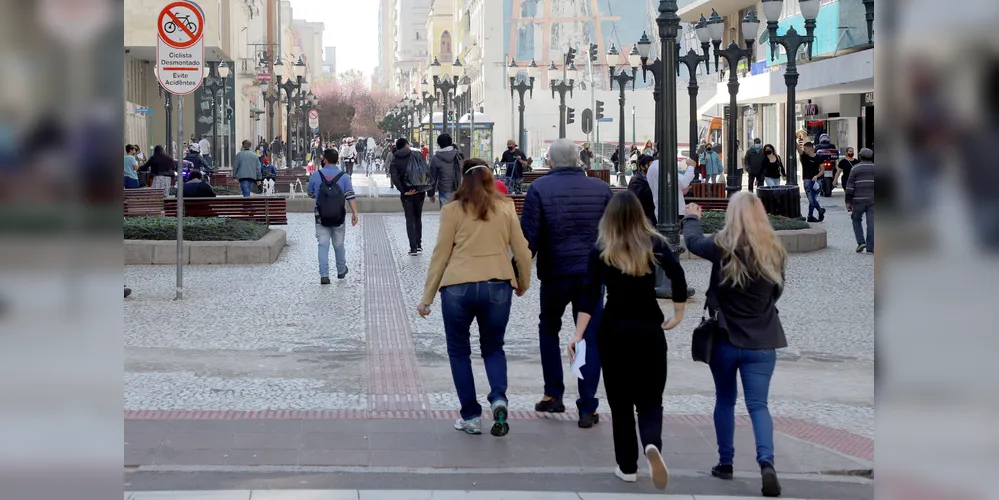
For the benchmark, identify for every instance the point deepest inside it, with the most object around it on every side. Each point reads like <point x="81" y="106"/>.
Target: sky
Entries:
<point x="351" y="27"/>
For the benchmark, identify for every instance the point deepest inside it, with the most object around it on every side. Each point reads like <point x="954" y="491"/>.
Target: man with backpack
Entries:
<point x="332" y="190"/>
<point x="445" y="169"/>
<point x="411" y="176"/>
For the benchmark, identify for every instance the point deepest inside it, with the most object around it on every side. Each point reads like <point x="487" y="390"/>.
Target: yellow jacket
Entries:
<point x="470" y="250"/>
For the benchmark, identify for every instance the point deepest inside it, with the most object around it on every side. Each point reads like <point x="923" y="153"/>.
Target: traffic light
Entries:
<point x="228" y="114"/>
<point x="593" y="52"/>
<point x="571" y="56"/>
<point x="600" y="110"/>
<point x="570" y="116"/>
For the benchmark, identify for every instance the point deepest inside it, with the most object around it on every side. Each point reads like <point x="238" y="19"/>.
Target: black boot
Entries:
<point x="771" y="486"/>
<point x="722" y="471"/>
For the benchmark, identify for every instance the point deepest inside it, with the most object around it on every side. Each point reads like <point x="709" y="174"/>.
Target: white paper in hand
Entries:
<point x="577" y="365"/>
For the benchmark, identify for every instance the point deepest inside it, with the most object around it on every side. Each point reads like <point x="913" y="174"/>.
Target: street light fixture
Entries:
<point x="623" y="79"/>
<point x="270" y="98"/>
<point x="521" y="86"/>
<point x="213" y="86"/>
<point x="290" y="87"/>
<point x="445" y="84"/>
<point x="428" y="100"/>
<point x="563" y="86"/>
<point x="732" y="55"/>
<point x="792" y="42"/>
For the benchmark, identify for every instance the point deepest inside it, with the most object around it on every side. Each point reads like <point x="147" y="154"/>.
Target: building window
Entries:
<point x="446" y="45"/>
<point x="417" y="35"/>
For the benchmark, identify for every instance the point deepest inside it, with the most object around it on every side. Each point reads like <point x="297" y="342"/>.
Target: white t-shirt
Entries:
<point x="206" y="147"/>
<point x="685" y="177"/>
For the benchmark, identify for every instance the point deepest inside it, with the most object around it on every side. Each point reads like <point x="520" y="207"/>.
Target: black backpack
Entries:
<point x="417" y="173"/>
<point x="330" y="207"/>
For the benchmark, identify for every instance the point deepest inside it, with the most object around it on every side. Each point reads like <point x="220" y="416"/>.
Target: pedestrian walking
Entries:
<point x="445" y="169"/>
<point x="586" y="156"/>
<point x="631" y="337"/>
<point x="131" y="164"/>
<point x="405" y="171"/>
<point x="753" y="164"/>
<point x="639" y="185"/>
<point x="713" y="167"/>
<point x="515" y="161"/>
<point x="246" y="169"/>
<point x="332" y="189"/>
<point x="649" y="148"/>
<point x="562" y="211"/>
<point x="471" y="267"/>
<point x="811" y="172"/>
<point x="860" y="200"/>
<point x="747" y="278"/>
<point x="205" y="147"/>
<point x="772" y="167"/>
<point x="844" y="167"/>
<point x="349" y="155"/>
<point x="162" y="168"/>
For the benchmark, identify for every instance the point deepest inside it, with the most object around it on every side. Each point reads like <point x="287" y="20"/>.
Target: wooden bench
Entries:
<point x="143" y="202"/>
<point x="270" y="210"/>
<point x="711" y="197"/>
<point x="534" y="175"/>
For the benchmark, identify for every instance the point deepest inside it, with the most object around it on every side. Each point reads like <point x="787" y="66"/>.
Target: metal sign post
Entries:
<point x="180" y="206"/>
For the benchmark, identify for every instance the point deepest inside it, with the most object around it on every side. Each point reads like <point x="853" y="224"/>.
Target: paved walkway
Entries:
<point x="403" y="495"/>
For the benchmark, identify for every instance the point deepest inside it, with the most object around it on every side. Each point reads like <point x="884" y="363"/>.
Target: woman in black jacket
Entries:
<point x="772" y="167"/>
<point x="161" y="168"/>
<point x="631" y="339"/>
<point x="747" y="277"/>
<point x="639" y="184"/>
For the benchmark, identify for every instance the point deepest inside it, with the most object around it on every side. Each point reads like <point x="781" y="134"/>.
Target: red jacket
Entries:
<point x="425" y="151"/>
<point x="501" y="187"/>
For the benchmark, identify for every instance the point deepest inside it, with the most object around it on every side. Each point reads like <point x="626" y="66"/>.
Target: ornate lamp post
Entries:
<point x="290" y="86"/>
<point x="522" y="86"/>
<point x="213" y="86"/>
<point x="564" y="85"/>
<point x="446" y="85"/>
<point x="429" y="100"/>
<point x="466" y="87"/>
<point x="869" y="15"/>
<point x="270" y="98"/>
<point x="792" y="42"/>
<point x="420" y="108"/>
<point x="309" y="101"/>
<point x="692" y="60"/>
<point x="623" y="79"/>
<point x="732" y="55"/>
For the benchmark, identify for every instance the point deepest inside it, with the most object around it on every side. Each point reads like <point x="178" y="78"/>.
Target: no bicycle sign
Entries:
<point x="180" y="49"/>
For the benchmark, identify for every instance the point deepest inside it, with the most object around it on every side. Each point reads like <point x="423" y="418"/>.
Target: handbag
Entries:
<point x="703" y="339"/>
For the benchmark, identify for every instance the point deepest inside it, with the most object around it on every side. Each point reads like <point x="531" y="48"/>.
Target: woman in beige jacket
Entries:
<point x="471" y="267"/>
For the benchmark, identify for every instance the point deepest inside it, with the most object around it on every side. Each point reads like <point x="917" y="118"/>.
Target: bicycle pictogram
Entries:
<point x="171" y="27"/>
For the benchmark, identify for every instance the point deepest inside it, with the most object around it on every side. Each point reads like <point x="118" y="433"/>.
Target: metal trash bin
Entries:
<point x="781" y="200"/>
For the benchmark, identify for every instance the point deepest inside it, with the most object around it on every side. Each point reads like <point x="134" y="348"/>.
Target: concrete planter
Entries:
<point x="795" y="241"/>
<point x="263" y="251"/>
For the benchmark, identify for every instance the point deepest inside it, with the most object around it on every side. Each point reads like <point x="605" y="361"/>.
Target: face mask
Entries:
<point x="769" y="152"/>
<point x="510" y="147"/>
<point x="850" y="154"/>
<point x="709" y="148"/>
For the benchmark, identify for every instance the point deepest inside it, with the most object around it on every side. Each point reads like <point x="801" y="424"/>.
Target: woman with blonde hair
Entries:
<point x="630" y="338"/>
<point x="472" y="269"/>
<point x="747" y="278"/>
<point x="649" y="148"/>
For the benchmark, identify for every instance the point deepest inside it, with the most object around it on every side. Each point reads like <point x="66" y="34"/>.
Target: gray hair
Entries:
<point x="867" y="154"/>
<point x="564" y="153"/>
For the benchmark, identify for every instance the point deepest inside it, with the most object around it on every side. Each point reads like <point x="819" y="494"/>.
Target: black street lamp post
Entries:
<point x="308" y="102"/>
<point x="654" y="67"/>
<point x="623" y="79"/>
<point x="792" y="42"/>
<point x="669" y="204"/>
<point x="566" y="84"/>
<point x="167" y="108"/>
<point x="692" y="60"/>
<point x="420" y="109"/>
<point x="522" y="86"/>
<point x="732" y="55"/>
<point x="290" y="86"/>
<point x="214" y="86"/>
<point x="447" y="85"/>
<point x="270" y="98"/>
<point x="429" y="99"/>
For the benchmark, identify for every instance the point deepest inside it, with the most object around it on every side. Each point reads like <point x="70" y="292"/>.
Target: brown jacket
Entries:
<point x="470" y="250"/>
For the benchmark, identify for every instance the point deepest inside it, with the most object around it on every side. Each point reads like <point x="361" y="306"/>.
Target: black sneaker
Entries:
<point x="344" y="275"/>
<point x="813" y="219"/>
<point x="325" y="280"/>
<point x="550" y="406"/>
<point x="861" y="247"/>
<point x="128" y="291"/>
<point x="771" y="486"/>
<point x="413" y="253"/>
<point x="587" y="420"/>
<point x="722" y="471"/>
<point x="419" y="249"/>
<point x="822" y="214"/>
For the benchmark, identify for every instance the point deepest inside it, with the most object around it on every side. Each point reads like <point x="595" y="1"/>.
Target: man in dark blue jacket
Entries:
<point x="562" y="211"/>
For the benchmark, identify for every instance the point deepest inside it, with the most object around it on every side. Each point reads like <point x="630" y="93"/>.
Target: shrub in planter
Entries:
<point x="195" y="229"/>
<point x="712" y="222"/>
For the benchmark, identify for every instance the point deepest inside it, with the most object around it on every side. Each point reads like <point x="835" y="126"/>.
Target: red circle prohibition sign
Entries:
<point x="168" y="18"/>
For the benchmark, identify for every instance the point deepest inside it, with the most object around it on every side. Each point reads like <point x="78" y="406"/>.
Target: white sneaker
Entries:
<point x="471" y="426"/>
<point x="628" y="478"/>
<point x="660" y="474"/>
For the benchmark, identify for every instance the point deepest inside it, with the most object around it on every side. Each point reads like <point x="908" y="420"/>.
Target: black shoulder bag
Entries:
<point x="703" y="339"/>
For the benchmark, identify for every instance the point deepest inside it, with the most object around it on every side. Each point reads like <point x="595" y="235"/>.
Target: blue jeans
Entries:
<point x="756" y="367"/>
<point x="444" y="197"/>
<point x="863" y="209"/>
<point x="771" y="182"/>
<point x="556" y="294"/>
<point x="488" y="303"/>
<point x="335" y="234"/>
<point x="131" y="183"/>
<point x="813" y="197"/>
<point x="246" y="185"/>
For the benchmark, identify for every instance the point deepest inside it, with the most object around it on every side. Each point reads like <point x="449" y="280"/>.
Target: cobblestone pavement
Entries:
<point x="270" y="337"/>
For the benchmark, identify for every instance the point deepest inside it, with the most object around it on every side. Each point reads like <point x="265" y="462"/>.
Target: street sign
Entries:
<point x="180" y="48"/>
<point x="313" y="119"/>
<point x="586" y="119"/>
<point x="263" y="77"/>
<point x="606" y="119"/>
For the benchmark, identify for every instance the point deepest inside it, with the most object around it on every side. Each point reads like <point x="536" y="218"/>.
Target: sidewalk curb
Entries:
<point x="406" y="494"/>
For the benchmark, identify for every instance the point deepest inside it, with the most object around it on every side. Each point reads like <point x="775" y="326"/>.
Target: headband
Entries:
<point x="473" y="168"/>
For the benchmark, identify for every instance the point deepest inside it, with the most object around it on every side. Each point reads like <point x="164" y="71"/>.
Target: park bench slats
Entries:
<point x="270" y="210"/>
<point x="143" y="202"/>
